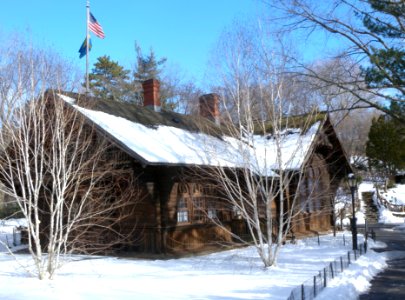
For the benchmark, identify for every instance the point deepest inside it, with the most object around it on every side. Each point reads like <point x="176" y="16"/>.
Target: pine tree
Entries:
<point x="372" y="33"/>
<point x="147" y="67"/>
<point x="386" y="142"/>
<point x="109" y="80"/>
<point x="387" y="68"/>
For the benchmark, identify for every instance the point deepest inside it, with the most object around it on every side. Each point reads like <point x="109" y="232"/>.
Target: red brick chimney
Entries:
<point x="209" y="107"/>
<point x="151" y="94"/>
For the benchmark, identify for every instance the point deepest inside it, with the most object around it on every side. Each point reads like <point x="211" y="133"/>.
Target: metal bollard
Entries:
<point x="302" y="292"/>
<point x="373" y="234"/>
<point x="314" y="286"/>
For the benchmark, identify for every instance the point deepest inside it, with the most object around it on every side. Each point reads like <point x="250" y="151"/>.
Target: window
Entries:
<point x="218" y="209"/>
<point x="182" y="216"/>
<point x="311" y="189"/>
<point x="318" y="191"/>
<point x="196" y="203"/>
<point x="211" y="211"/>
<point x="199" y="209"/>
<point x="236" y="212"/>
<point x="182" y="210"/>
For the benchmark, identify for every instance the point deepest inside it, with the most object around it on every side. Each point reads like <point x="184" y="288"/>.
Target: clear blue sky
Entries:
<point x="183" y="31"/>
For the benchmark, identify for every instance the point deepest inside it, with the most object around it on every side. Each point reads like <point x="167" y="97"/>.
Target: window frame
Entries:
<point x="196" y="204"/>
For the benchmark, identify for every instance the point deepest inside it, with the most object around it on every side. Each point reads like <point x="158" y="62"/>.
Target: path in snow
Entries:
<point x="389" y="284"/>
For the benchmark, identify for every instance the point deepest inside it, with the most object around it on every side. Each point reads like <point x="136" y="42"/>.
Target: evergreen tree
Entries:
<point x="147" y="67"/>
<point x="374" y="38"/>
<point x="386" y="142"/>
<point x="109" y="80"/>
<point x="387" y="68"/>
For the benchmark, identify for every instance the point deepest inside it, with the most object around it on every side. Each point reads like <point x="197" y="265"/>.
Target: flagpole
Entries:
<point x="87" y="45"/>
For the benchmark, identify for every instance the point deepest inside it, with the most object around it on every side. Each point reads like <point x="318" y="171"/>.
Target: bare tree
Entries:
<point x="25" y="69"/>
<point x="63" y="175"/>
<point x="181" y="94"/>
<point x="362" y="34"/>
<point x="352" y="129"/>
<point x="315" y="90"/>
<point x="266" y="188"/>
<point x="261" y="191"/>
<point x="352" y="125"/>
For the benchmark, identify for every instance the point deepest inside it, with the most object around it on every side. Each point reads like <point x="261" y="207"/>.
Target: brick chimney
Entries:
<point x="209" y="107"/>
<point x="151" y="94"/>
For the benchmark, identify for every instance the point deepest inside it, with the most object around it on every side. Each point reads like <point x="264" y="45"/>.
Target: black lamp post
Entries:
<point x="351" y="179"/>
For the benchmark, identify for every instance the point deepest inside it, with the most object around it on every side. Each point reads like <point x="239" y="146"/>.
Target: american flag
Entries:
<point x="95" y="27"/>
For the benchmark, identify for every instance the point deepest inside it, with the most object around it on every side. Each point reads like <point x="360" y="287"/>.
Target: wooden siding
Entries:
<point x="193" y="226"/>
<point x="174" y="213"/>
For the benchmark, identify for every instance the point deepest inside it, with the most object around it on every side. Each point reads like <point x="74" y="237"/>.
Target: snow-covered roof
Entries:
<point x="163" y="144"/>
<point x="294" y="146"/>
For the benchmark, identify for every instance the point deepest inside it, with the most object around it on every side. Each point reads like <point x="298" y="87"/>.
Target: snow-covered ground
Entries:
<point x="394" y="195"/>
<point x="10" y="236"/>
<point x="233" y="274"/>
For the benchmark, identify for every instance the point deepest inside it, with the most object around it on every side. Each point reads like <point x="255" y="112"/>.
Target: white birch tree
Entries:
<point x="67" y="185"/>
<point x="253" y="90"/>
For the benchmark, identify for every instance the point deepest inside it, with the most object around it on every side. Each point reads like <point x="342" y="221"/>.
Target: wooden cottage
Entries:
<point x="177" y="210"/>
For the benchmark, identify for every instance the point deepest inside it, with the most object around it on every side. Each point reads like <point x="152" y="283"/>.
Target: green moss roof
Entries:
<point x="148" y="117"/>
<point x="303" y="122"/>
<point x="151" y="118"/>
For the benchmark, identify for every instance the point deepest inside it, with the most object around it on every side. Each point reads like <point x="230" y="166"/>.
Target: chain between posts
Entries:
<point x="309" y="289"/>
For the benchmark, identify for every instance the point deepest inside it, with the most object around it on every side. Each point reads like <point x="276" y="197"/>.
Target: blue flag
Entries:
<point x="83" y="48"/>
